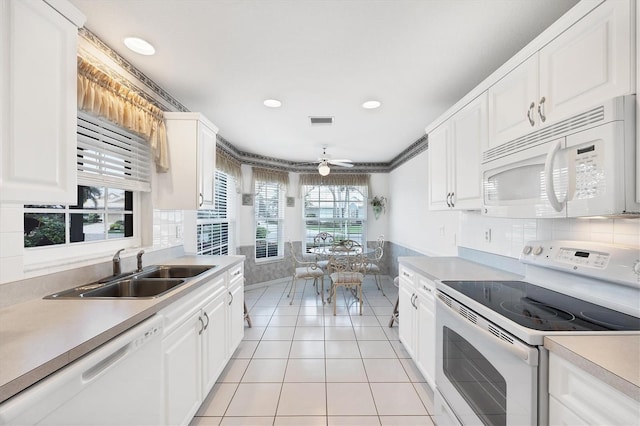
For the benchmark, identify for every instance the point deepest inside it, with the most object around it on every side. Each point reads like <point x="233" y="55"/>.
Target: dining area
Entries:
<point x="343" y="262"/>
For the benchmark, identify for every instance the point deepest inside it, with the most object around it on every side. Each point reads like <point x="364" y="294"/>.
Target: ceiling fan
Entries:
<point x="324" y="161"/>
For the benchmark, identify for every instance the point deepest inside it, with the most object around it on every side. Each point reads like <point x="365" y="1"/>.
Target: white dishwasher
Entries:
<point x="119" y="383"/>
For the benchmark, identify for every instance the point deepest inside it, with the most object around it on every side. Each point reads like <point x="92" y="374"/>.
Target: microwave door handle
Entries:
<point x="548" y="178"/>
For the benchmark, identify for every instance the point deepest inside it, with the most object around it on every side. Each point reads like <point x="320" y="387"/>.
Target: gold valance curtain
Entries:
<point x="227" y="164"/>
<point x="346" y="179"/>
<point x="269" y="175"/>
<point x="100" y="95"/>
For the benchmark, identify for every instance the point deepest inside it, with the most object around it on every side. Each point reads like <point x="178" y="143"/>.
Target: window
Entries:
<point x="113" y="167"/>
<point x="269" y="212"/>
<point x="102" y="213"/>
<point x="337" y="209"/>
<point x="214" y="227"/>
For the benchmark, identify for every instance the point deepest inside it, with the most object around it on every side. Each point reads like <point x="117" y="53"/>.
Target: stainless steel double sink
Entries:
<point x="151" y="282"/>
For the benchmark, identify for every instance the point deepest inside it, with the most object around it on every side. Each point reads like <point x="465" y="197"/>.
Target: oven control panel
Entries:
<point x="596" y="260"/>
<point x="583" y="257"/>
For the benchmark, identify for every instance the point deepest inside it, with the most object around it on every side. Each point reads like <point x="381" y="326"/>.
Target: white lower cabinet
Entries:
<point x="417" y="321"/>
<point x="577" y="397"/>
<point x="201" y="333"/>
<point x="235" y="308"/>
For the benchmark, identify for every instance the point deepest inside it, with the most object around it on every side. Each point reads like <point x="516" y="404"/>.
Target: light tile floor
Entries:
<point x="300" y="365"/>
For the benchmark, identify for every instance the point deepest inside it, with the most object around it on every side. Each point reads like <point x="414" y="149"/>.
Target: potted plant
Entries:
<point x="378" y="204"/>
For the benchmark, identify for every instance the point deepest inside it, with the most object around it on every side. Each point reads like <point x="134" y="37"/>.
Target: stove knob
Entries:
<point x="526" y="250"/>
<point x="636" y="267"/>
<point x="537" y="251"/>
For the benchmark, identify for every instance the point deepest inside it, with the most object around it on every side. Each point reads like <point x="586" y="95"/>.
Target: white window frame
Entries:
<point x="99" y="143"/>
<point x="262" y="190"/>
<point x="350" y="216"/>
<point x="216" y="216"/>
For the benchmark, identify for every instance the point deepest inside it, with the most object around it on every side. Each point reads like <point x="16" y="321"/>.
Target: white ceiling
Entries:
<point x="321" y="57"/>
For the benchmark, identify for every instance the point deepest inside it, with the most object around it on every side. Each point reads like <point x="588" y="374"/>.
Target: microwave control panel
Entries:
<point x="589" y="175"/>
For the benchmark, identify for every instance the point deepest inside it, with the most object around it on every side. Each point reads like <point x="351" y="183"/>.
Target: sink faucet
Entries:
<point x="116" y="263"/>
<point x="140" y="253"/>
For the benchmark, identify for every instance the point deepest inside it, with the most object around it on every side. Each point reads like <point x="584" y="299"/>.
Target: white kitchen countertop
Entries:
<point x="455" y="268"/>
<point x="614" y="359"/>
<point x="41" y="336"/>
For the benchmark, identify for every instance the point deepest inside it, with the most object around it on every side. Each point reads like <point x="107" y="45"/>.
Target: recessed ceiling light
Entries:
<point x="272" y="103"/>
<point x="139" y="45"/>
<point x="371" y="104"/>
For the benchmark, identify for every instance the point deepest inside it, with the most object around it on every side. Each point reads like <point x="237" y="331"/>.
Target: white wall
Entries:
<point x="411" y="224"/>
<point x="508" y="236"/>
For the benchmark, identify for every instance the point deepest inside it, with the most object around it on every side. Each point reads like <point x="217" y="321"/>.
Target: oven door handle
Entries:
<point x="520" y="350"/>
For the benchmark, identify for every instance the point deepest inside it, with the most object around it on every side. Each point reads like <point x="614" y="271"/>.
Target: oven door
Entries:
<point x="484" y="375"/>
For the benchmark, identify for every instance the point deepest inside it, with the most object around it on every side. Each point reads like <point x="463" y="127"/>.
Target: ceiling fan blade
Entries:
<point x="339" y="161"/>
<point x="341" y="164"/>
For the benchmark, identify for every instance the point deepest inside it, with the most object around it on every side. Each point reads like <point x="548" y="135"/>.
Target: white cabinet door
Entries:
<point x="236" y="312"/>
<point x="39" y="103"/>
<point x="214" y="338"/>
<point x="182" y="351"/>
<point x="426" y="338"/>
<point x="188" y="185"/>
<point x="406" y="326"/>
<point x="439" y="192"/>
<point x="207" y="165"/>
<point x="589" y="63"/>
<point x="470" y="138"/>
<point x="512" y="103"/>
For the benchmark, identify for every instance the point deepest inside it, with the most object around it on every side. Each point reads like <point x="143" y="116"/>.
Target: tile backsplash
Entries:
<point x="506" y="237"/>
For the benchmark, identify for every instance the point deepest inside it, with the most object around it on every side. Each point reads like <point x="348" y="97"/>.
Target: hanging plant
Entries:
<point x="378" y="204"/>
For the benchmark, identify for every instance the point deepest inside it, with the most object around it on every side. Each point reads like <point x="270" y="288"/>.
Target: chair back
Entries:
<point x="352" y="263"/>
<point x="380" y="241"/>
<point x="323" y="242"/>
<point x="347" y="246"/>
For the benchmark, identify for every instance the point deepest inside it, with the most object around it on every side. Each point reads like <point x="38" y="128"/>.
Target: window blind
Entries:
<point x="109" y="155"/>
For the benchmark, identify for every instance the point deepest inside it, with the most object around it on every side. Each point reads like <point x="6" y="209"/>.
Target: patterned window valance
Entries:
<point x="226" y="163"/>
<point x="270" y="175"/>
<point x="100" y="95"/>
<point x="346" y="179"/>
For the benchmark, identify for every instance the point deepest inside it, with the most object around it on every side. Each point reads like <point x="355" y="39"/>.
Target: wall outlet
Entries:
<point x="487" y="235"/>
<point x="441" y="229"/>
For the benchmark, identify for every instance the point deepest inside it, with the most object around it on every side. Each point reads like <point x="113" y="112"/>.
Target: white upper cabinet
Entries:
<point x="189" y="183"/>
<point x="512" y="103"/>
<point x="454" y="158"/>
<point x="38" y="48"/>
<point x="592" y="61"/>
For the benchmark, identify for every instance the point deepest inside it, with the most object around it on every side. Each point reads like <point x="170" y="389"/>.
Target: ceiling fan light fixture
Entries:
<point x="371" y="104"/>
<point x="138" y="45"/>
<point x="323" y="168"/>
<point x="272" y="103"/>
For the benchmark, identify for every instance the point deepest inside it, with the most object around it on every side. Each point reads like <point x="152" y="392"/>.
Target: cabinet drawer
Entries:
<point x="426" y="288"/>
<point x="178" y="311"/>
<point x="407" y="275"/>
<point x="236" y="273"/>
<point x="593" y="399"/>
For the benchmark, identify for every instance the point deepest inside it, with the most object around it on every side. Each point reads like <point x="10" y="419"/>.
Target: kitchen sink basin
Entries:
<point x="153" y="281"/>
<point x="175" y="271"/>
<point x="134" y="288"/>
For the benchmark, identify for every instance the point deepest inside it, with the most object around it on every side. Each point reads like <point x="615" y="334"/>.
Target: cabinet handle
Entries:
<point x="230" y="301"/>
<point x="530" y="113"/>
<point x="201" y="325"/>
<point x="201" y="199"/>
<point x="541" y="109"/>
<point x="452" y="203"/>
<point x="406" y="275"/>
<point x="448" y="197"/>
<point x="207" y="317"/>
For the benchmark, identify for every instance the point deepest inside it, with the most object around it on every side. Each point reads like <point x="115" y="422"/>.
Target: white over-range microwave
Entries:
<point x="581" y="166"/>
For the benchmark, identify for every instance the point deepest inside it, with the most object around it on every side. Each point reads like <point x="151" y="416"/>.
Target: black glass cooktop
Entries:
<point x="541" y="309"/>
